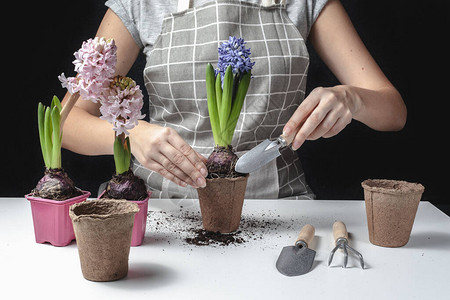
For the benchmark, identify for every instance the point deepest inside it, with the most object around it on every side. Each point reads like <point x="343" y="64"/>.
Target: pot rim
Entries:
<point x="228" y="179"/>
<point x="31" y="198"/>
<point x="388" y="186"/>
<point x="133" y="209"/>
<point x="149" y="193"/>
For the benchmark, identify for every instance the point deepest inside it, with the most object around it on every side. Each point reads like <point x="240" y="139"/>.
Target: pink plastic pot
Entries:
<point x="51" y="219"/>
<point x="140" y="220"/>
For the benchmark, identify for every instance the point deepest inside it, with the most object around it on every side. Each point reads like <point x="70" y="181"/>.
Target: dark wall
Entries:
<point x="405" y="37"/>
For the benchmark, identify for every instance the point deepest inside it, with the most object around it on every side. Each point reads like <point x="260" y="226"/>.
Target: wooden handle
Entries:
<point x="339" y="230"/>
<point x="288" y="139"/>
<point x="306" y="234"/>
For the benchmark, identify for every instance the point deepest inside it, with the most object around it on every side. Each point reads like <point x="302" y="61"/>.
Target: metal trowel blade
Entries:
<point x="295" y="260"/>
<point x="257" y="157"/>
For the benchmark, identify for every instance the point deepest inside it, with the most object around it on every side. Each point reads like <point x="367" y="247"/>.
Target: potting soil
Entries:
<point x="187" y="226"/>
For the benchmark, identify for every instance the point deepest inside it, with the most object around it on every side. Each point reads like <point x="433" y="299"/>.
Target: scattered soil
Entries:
<point x="203" y="238"/>
<point x="186" y="226"/>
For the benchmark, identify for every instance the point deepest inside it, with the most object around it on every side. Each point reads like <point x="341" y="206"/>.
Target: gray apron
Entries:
<point x="175" y="79"/>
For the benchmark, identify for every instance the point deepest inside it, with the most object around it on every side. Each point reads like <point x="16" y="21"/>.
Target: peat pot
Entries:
<point x="103" y="231"/>
<point x="391" y="207"/>
<point x="221" y="203"/>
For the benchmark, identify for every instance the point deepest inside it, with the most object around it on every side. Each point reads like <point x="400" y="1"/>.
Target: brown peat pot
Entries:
<point x="391" y="207"/>
<point x="221" y="203"/>
<point x="103" y="232"/>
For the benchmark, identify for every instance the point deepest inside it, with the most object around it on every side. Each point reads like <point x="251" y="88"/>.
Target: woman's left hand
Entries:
<point x="324" y="113"/>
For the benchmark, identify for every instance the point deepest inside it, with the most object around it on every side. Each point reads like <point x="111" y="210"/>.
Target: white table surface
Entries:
<point x="166" y="267"/>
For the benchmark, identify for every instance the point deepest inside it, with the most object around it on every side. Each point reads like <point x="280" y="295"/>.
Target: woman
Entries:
<point x="169" y="150"/>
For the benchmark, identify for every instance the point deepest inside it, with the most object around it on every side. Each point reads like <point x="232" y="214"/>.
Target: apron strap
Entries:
<point x="272" y="2"/>
<point x="184" y="5"/>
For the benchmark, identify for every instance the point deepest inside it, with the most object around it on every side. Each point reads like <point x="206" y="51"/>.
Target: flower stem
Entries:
<point x="122" y="153"/>
<point x="68" y="107"/>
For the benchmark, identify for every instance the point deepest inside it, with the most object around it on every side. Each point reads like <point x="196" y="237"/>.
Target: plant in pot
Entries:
<point x="121" y="105"/>
<point x="55" y="192"/>
<point x="222" y="199"/>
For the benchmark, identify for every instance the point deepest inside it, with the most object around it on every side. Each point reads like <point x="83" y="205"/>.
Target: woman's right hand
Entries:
<point x="161" y="149"/>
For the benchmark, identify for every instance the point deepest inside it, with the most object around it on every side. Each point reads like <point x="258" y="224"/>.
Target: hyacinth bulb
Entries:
<point x="56" y="185"/>
<point x="126" y="186"/>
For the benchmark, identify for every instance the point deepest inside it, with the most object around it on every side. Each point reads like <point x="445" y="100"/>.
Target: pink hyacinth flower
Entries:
<point x="95" y="63"/>
<point x="121" y="104"/>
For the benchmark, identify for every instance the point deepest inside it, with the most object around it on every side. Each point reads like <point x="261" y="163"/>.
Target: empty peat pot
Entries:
<point x="391" y="207"/>
<point x="103" y="232"/>
<point x="221" y="203"/>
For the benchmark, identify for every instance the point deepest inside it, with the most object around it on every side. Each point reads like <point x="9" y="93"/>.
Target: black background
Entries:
<point x="408" y="39"/>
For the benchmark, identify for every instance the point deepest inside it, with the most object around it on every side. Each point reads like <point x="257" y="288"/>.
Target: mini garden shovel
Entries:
<point x="298" y="259"/>
<point x="262" y="154"/>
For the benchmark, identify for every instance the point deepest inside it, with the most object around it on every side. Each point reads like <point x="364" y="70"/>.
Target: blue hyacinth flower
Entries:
<point x="233" y="53"/>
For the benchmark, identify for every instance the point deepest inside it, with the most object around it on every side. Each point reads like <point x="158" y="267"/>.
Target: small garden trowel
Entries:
<point x="298" y="259"/>
<point x="262" y="154"/>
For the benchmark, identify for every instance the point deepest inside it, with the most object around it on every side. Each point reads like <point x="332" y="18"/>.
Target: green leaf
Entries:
<point x="48" y="145"/>
<point x="237" y="104"/>
<point x="212" y="104"/>
<point x="56" y="103"/>
<point x="55" y="162"/>
<point x="218" y="92"/>
<point x="41" y="116"/>
<point x="225" y="107"/>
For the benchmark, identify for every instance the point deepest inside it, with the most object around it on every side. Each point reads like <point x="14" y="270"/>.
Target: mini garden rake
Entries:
<point x="341" y="239"/>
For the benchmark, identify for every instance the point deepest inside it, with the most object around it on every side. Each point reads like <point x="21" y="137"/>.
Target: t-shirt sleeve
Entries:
<point x="304" y="13"/>
<point x="127" y="11"/>
<point x="316" y="8"/>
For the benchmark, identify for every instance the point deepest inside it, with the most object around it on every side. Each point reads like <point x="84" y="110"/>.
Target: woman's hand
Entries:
<point x="324" y="113"/>
<point x="162" y="150"/>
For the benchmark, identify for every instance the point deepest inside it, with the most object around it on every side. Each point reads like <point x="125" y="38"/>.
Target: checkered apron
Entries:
<point x="175" y="80"/>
